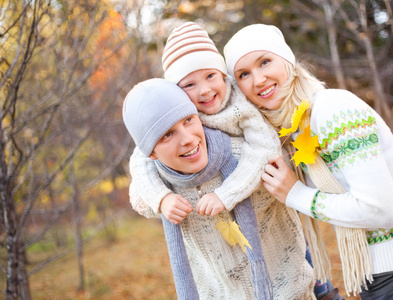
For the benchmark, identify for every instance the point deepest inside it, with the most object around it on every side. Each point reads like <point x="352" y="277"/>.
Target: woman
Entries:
<point x="348" y="176"/>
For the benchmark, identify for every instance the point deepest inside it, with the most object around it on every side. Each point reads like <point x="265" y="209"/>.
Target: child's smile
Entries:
<point x="206" y="89"/>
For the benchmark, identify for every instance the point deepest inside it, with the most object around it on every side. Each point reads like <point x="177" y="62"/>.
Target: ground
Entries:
<point x="136" y="266"/>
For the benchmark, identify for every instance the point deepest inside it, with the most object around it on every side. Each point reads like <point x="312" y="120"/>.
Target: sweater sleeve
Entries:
<point x="357" y="147"/>
<point x="260" y="142"/>
<point x="147" y="188"/>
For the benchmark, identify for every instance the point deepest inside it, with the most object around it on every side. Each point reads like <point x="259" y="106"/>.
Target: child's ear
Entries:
<point x="153" y="157"/>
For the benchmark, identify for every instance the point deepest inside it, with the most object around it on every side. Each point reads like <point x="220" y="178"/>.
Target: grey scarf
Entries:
<point x="220" y="159"/>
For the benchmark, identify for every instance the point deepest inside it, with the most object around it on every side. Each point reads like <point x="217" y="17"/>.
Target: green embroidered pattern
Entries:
<point x="318" y="206"/>
<point x="347" y="150"/>
<point x="351" y="145"/>
<point x="344" y="127"/>
<point x="379" y="236"/>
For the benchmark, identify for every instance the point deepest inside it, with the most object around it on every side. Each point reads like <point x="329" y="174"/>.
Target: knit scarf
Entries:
<point x="352" y="242"/>
<point x="220" y="159"/>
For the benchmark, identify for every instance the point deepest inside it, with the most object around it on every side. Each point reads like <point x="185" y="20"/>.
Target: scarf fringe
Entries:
<point x="352" y="243"/>
<point x="355" y="258"/>
<point x="318" y="251"/>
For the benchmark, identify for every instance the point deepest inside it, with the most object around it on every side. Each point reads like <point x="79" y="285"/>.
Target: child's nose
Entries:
<point x="205" y="88"/>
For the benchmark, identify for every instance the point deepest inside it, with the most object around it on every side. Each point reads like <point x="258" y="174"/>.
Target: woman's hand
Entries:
<point x="278" y="178"/>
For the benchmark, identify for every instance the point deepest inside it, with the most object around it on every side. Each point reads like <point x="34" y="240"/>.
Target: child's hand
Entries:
<point x="278" y="178"/>
<point x="175" y="208"/>
<point x="210" y="204"/>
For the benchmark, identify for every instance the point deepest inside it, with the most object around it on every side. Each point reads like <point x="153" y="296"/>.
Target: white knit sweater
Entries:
<point x="280" y="228"/>
<point x="220" y="271"/>
<point x="357" y="146"/>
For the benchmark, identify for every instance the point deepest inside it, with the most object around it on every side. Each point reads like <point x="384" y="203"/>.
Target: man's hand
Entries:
<point x="175" y="208"/>
<point x="210" y="204"/>
<point x="278" y="178"/>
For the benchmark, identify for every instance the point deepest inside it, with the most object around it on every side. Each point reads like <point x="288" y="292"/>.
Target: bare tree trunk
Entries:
<point x="381" y="104"/>
<point x="17" y="284"/>
<point x="24" y="289"/>
<point x="332" y="34"/>
<point x="380" y="100"/>
<point x="78" y="228"/>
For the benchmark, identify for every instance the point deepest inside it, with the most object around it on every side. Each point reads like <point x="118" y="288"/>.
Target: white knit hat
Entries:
<point x="189" y="49"/>
<point x="254" y="38"/>
<point x="151" y="108"/>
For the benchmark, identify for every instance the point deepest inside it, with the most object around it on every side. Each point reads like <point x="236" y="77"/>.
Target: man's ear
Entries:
<point x="153" y="157"/>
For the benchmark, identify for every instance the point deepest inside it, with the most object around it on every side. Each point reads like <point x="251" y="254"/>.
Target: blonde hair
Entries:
<point x="301" y="85"/>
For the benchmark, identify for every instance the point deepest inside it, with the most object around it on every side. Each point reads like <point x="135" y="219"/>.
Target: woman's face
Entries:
<point x="261" y="75"/>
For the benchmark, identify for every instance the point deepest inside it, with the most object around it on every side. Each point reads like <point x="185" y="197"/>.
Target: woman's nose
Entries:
<point x="259" y="78"/>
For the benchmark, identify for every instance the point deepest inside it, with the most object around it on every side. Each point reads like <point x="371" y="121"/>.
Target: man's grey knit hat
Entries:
<point x="151" y="108"/>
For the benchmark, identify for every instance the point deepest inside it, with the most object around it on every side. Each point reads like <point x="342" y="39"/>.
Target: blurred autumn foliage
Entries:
<point x="65" y="68"/>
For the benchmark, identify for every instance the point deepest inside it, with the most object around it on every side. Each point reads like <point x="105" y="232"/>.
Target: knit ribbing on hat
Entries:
<point x="255" y="38"/>
<point x="151" y="108"/>
<point x="189" y="49"/>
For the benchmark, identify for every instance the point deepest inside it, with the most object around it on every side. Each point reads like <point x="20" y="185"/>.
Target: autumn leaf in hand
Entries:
<point x="230" y="231"/>
<point x="306" y="145"/>
<point x="296" y="118"/>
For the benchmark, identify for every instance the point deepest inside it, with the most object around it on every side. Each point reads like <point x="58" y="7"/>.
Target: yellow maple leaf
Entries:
<point x="230" y="231"/>
<point x="296" y="118"/>
<point x="306" y="145"/>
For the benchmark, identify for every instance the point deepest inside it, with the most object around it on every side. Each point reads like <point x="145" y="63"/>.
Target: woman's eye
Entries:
<point x="167" y="135"/>
<point x="265" y="62"/>
<point x="188" y="119"/>
<point x="242" y="75"/>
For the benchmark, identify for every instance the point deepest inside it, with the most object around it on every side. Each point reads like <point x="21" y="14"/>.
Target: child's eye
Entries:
<point x="188" y="119"/>
<point x="187" y="86"/>
<point x="211" y="75"/>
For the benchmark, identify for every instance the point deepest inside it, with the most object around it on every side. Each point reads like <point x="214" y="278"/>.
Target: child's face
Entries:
<point x="260" y="75"/>
<point x="206" y="89"/>
<point x="183" y="147"/>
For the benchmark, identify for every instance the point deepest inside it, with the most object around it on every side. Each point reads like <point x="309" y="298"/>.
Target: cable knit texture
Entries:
<point x="239" y="117"/>
<point x="280" y="229"/>
<point x="357" y="147"/>
<point x="221" y="159"/>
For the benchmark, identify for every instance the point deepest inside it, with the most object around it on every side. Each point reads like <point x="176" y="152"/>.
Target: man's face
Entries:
<point x="183" y="147"/>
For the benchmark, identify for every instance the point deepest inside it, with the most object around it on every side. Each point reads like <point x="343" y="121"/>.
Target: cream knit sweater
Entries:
<point x="220" y="271"/>
<point x="357" y="147"/>
<point x="280" y="228"/>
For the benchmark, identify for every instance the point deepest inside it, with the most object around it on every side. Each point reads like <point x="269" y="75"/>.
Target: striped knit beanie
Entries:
<point x="256" y="37"/>
<point x="189" y="49"/>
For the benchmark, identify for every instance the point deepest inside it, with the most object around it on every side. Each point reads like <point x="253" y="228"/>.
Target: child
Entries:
<point x="191" y="60"/>
<point x="165" y="126"/>
<point x="350" y="184"/>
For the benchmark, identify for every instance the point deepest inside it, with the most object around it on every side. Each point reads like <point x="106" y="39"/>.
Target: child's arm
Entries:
<point x="149" y="195"/>
<point x="260" y="142"/>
